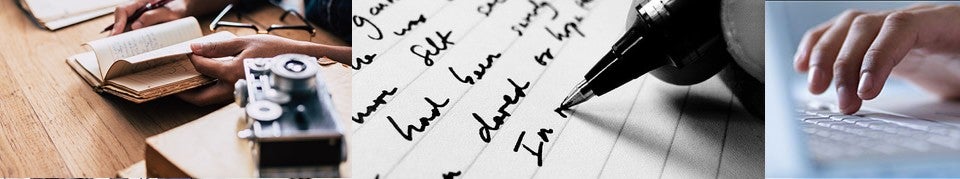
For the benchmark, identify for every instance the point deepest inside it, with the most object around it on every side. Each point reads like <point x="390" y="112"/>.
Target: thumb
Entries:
<point x="209" y="67"/>
<point x="225" y="48"/>
<point x="153" y="17"/>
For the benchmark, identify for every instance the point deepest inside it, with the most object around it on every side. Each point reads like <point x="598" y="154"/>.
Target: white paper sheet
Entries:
<point x="413" y="118"/>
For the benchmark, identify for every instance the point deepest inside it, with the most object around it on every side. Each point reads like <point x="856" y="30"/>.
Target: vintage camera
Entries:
<point x="290" y="117"/>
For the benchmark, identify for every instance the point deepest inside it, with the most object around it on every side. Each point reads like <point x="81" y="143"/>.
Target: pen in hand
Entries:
<point x="136" y="14"/>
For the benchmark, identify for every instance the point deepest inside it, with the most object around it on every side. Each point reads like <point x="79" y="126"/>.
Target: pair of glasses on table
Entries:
<point x="241" y="25"/>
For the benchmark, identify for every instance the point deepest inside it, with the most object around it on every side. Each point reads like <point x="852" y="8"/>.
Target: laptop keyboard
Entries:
<point x="835" y="135"/>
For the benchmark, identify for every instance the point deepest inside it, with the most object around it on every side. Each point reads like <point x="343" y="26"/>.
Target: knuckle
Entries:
<point x="211" y="47"/>
<point x="920" y="5"/>
<point x="873" y="54"/>
<point x="872" y="61"/>
<point x="822" y="49"/>
<point x="850" y="13"/>
<point x="900" y="18"/>
<point x="148" y="16"/>
<point x="840" y="66"/>
<point x="811" y="33"/>
<point x="864" y="21"/>
<point x="819" y="63"/>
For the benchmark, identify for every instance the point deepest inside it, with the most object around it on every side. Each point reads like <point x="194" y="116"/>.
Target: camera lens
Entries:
<point x="295" y="66"/>
<point x="294" y="73"/>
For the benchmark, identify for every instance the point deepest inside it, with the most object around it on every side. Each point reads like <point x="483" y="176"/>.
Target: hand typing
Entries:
<point x="859" y="50"/>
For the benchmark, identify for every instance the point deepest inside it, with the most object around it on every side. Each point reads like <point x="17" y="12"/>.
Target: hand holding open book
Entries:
<point x="145" y="64"/>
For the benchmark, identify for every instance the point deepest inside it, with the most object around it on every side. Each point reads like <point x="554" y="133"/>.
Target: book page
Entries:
<point x="109" y="50"/>
<point x="163" y="76"/>
<point x="469" y="89"/>
<point x="77" y="18"/>
<point x="88" y="61"/>
<point x="160" y="56"/>
<point x="52" y="10"/>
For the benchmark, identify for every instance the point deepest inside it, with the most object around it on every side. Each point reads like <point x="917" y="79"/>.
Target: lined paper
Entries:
<point x="432" y="79"/>
<point x="109" y="50"/>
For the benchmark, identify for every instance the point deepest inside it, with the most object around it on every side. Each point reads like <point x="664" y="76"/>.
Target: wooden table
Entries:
<point x="53" y="124"/>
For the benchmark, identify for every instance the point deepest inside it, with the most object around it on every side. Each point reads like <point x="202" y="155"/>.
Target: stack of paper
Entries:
<point x="54" y="14"/>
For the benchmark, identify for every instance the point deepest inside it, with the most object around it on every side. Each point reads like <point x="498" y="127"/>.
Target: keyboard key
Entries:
<point x="816" y="120"/>
<point x="807" y="116"/>
<point x="832" y="134"/>
<point x="909" y="122"/>
<point x="829" y="114"/>
<point x="829" y="123"/>
<point x="844" y="126"/>
<point x="841" y="117"/>
<point x="868" y="123"/>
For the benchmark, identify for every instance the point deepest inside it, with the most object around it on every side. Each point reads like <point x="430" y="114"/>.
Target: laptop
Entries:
<point x="905" y="132"/>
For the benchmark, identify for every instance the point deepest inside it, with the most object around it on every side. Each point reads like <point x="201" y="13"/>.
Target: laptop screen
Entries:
<point x="786" y="154"/>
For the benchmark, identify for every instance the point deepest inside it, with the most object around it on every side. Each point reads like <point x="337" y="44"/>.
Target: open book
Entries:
<point x="56" y="14"/>
<point x="145" y="64"/>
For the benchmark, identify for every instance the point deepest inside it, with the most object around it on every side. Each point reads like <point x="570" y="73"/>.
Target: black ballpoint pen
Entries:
<point x="673" y="33"/>
<point x="139" y="12"/>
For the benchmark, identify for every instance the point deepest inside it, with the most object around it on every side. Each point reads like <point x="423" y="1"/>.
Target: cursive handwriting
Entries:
<point x="375" y="10"/>
<point x="361" y="21"/>
<point x="479" y="73"/>
<point x="568" y="28"/>
<point x="488" y="8"/>
<point x="583" y="3"/>
<point x="543" y="134"/>
<point x="367" y="59"/>
<point x="451" y="175"/>
<point x="376" y="103"/>
<point x="560" y="112"/>
<point x="516" y="147"/>
<point x="426" y="54"/>
<point x="539" y="153"/>
<point x="424" y="121"/>
<point x="539" y="58"/>
<point x="498" y="120"/>
<point x="410" y="25"/>
<point x="520" y="26"/>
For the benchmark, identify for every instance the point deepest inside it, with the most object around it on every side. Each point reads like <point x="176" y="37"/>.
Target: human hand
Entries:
<point x="171" y="11"/>
<point x="228" y="71"/>
<point x="859" y="51"/>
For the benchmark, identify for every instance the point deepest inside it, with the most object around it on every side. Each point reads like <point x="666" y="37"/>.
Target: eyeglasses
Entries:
<point x="242" y="25"/>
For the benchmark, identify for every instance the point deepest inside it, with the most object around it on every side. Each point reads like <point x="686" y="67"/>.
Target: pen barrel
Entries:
<point x="680" y="28"/>
<point x="691" y="37"/>
<point x="676" y="33"/>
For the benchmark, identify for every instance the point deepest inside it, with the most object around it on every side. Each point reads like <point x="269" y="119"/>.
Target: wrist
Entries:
<point x="309" y="48"/>
<point x="336" y="53"/>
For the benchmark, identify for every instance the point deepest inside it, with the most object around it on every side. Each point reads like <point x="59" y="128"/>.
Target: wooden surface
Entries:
<point x="54" y="125"/>
<point x="207" y="148"/>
